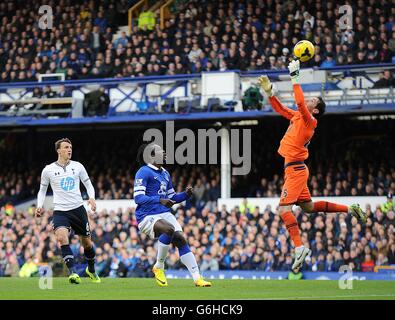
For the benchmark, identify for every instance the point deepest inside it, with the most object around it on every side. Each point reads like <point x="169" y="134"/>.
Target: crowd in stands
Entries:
<point x="244" y="237"/>
<point x="201" y="36"/>
<point x="346" y="158"/>
<point x="353" y="164"/>
<point x="118" y="184"/>
<point x="240" y="238"/>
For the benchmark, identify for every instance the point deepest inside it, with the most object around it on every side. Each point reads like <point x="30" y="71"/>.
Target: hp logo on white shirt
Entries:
<point x="67" y="184"/>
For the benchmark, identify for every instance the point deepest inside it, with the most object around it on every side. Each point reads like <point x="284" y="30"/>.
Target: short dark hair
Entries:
<point x="140" y="153"/>
<point x="59" y="142"/>
<point x="321" y="107"/>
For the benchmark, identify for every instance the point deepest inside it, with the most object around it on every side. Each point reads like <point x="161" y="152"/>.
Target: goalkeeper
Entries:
<point x="293" y="148"/>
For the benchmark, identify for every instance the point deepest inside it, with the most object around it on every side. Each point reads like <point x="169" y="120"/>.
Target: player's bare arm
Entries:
<point x="167" y="202"/>
<point x="92" y="204"/>
<point x="39" y="212"/>
<point x="86" y="181"/>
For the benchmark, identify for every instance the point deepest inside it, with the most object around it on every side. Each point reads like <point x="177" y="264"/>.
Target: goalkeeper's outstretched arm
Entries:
<point x="267" y="86"/>
<point x="294" y="68"/>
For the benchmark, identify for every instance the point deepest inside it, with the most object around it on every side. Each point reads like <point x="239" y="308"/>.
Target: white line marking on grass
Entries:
<point x="328" y="297"/>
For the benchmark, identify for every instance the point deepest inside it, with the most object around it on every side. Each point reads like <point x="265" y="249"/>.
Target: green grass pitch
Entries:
<point x="181" y="289"/>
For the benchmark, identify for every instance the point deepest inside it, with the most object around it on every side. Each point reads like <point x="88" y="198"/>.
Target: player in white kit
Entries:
<point x="64" y="176"/>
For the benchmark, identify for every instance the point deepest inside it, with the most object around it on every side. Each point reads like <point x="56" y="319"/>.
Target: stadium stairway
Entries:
<point x="154" y="7"/>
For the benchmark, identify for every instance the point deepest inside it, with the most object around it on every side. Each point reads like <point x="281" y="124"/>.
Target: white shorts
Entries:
<point x="147" y="225"/>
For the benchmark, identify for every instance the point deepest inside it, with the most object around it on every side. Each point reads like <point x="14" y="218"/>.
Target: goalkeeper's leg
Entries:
<point x="301" y="252"/>
<point x="325" y="206"/>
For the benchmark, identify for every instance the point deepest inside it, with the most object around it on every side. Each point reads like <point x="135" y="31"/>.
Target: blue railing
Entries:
<point x="103" y="81"/>
<point x="147" y="107"/>
<point x="150" y="79"/>
<point x="360" y="66"/>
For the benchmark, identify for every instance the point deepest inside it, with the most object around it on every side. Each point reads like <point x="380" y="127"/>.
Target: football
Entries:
<point x="304" y="50"/>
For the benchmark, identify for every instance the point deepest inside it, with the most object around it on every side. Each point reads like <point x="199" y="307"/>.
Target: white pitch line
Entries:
<point x="323" y="297"/>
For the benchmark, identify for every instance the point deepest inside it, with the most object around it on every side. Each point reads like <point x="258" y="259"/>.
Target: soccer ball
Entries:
<point x="304" y="50"/>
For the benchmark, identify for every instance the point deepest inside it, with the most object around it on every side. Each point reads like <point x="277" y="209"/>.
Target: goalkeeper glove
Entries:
<point x="266" y="85"/>
<point x="294" y="67"/>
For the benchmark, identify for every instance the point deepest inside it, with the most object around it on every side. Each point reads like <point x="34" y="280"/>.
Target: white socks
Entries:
<point x="163" y="249"/>
<point x="189" y="261"/>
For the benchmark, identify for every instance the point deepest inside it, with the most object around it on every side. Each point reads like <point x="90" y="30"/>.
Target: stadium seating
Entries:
<point x="210" y="36"/>
<point x="248" y="240"/>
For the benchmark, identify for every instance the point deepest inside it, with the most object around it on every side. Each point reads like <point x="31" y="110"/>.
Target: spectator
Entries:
<point x="391" y="255"/>
<point x="142" y="267"/>
<point x="48" y="92"/>
<point x="96" y="41"/>
<point x="62" y="68"/>
<point x="391" y="43"/>
<point x="29" y="269"/>
<point x="309" y="20"/>
<point x="209" y="263"/>
<point x="382" y="260"/>
<point x="246" y="208"/>
<point x="384" y="81"/>
<point x="360" y="59"/>
<point x="389" y="205"/>
<point x="100" y="21"/>
<point x="214" y="191"/>
<point x="12" y="267"/>
<point x="194" y="53"/>
<point x="146" y="19"/>
<point x="338" y="261"/>
<point x="122" y="41"/>
<point x="372" y="54"/>
<point x="385" y="54"/>
<point x="328" y="62"/>
<point x="63" y="92"/>
<point x="199" y="193"/>
<point x="368" y="264"/>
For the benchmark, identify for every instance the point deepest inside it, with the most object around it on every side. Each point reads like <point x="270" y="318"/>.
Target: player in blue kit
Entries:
<point x="154" y="195"/>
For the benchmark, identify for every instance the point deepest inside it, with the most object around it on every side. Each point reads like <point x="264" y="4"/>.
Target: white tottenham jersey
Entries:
<point x="65" y="184"/>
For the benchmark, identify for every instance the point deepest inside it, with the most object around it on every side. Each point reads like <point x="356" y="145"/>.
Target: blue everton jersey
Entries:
<point x="150" y="185"/>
